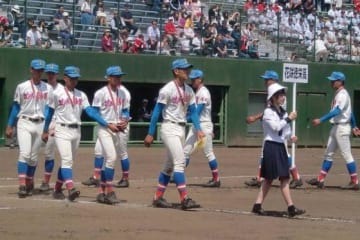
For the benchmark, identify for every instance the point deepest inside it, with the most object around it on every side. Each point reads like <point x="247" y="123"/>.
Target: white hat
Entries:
<point x="65" y="14"/>
<point x="274" y="88"/>
<point x="16" y="9"/>
<point x="171" y="18"/>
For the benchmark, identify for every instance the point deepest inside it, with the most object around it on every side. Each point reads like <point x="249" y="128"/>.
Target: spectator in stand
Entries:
<point x="2" y="36"/>
<point x="332" y="11"/>
<point x="87" y="18"/>
<point x="184" y="43"/>
<point x="107" y="42"/>
<point x="253" y="49"/>
<point x="295" y="4"/>
<point x="209" y="39"/>
<point x="234" y="19"/>
<point x="115" y="25"/>
<point x="123" y="43"/>
<point x="170" y="31"/>
<point x="138" y="45"/>
<point x="220" y="49"/>
<point x="340" y="50"/>
<point x="143" y="113"/>
<point x="181" y="20"/>
<point x="58" y="16"/>
<point x="198" y="44"/>
<point x="45" y="41"/>
<point x="17" y="20"/>
<point x="66" y="31"/>
<point x="4" y="21"/>
<point x="309" y="6"/>
<point x="321" y="52"/>
<point x="33" y="37"/>
<point x="214" y="13"/>
<point x="236" y="35"/>
<point x="248" y="4"/>
<point x="189" y="27"/>
<point x="329" y="38"/>
<point x="100" y="14"/>
<point x="153" y="34"/>
<point x="8" y="36"/>
<point x="164" y="47"/>
<point x="127" y="18"/>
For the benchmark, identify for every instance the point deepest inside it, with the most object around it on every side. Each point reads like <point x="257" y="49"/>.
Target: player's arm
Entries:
<point x="154" y="119"/>
<point x="199" y="109"/>
<point x="195" y="120"/>
<point x="336" y="111"/>
<point x="125" y="118"/>
<point x="355" y="129"/>
<point x="49" y="112"/>
<point x="253" y="118"/>
<point x="15" y="109"/>
<point x="93" y="113"/>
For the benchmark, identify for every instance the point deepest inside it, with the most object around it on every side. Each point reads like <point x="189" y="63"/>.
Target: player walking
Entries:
<point x="175" y="98"/>
<point x="29" y="104"/>
<point x="343" y="123"/>
<point x="111" y="102"/>
<point x="124" y="157"/>
<point x="51" y="71"/>
<point x="203" y="109"/>
<point x="276" y="127"/>
<point x="270" y="77"/>
<point x="68" y="103"/>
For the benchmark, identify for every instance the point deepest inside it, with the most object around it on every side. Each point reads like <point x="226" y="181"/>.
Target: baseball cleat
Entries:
<point x="351" y="186"/>
<point x="316" y="182"/>
<point x="161" y="203"/>
<point x="254" y="182"/>
<point x="296" y="183"/>
<point x="123" y="183"/>
<point x="91" y="182"/>
<point x="59" y="195"/>
<point x="257" y="209"/>
<point x="212" y="184"/>
<point x="30" y="189"/>
<point x="111" y="198"/>
<point x="188" y="203"/>
<point x="44" y="187"/>
<point x="293" y="211"/>
<point x="73" y="194"/>
<point x="22" y="193"/>
<point x="100" y="198"/>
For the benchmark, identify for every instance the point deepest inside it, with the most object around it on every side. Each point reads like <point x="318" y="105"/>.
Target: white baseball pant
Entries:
<point x="110" y="146"/>
<point x="339" y="138"/>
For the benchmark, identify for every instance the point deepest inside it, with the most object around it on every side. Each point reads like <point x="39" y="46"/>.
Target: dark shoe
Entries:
<point x="257" y="209"/>
<point x="59" y="195"/>
<point x="91" y="182"/>
<point x="100" y="198"/>
<point x="111" y="198"/>
<point x="44" y="187"/>
<point x="296" y="183"/>
<point x="316" y="182"/>
<point x="73" y="194"/>
<point x="123" y="183"/>
<point x="212" y="184"/>
<point x="293" y="211"/>
<point x="351" y="186"/>
<point x="161" y="203"/>
<point x="188" y="203"/>
<point x="22" y="193"/>
<point x="30" y="189"/>
<point x="253" y="183"/>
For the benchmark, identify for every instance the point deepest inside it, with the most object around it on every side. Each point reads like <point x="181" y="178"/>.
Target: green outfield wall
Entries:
<point x="239" y="79"/>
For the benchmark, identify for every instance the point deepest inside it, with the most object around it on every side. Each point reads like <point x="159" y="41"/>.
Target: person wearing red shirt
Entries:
<point x="170" y="30"/>
<point x="139" y="44"/>
<point x="106" y="42"/>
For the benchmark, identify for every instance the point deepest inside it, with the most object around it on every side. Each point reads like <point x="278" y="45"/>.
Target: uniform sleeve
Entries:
<point x="203" y="98"/>
<point x="163" y="96"/>
<point x="192" y="97"/>
<point x="17" y="95"/>
<point x="341" y="101"/>
<point x="97" y="101"/>
<point x="50" y="95"/>
<point x="272" y="120"/>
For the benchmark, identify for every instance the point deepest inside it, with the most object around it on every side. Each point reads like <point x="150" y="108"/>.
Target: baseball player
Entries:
<point x="270" y="77"/>
<point x="203" y="109"/>
<point x="67" y="104"/>
<point x="124" y="157"/>
<point x="51" y="71"/>
<point x="274" y="164"/>
<point x="31" y="97"/>
<point x="113" y="106"/>
<point x="174" y="99"/>
<point x="343" y="123"/>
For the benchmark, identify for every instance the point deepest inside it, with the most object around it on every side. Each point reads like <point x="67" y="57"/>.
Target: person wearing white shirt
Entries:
<point x="153" y="34"/>
<point x="33" y="37"/>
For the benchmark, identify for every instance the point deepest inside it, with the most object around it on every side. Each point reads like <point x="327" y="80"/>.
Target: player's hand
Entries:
<point x="45" y="137"/>
<point x="200" y="134"/>
<point x="113" y="127"/>
<point x="250" y="119"/>
<point x="148" y="140"/>
<point x="294" y="139"/>
<point x="122" y="125"/>
<point x="9" y="132"/>
<point x="316" y="122"/>
<point x="356" y="131"/>
<point x="292" y="115"/>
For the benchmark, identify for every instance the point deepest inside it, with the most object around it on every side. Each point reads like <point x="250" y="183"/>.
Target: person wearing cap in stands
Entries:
<point x="30" y="99"/>
<point x="271" y="77"/>
<point x="128" y="20"/>
<point x="343" y="123"/>
<point x="33" y="37"/>
<point x="66" y="30"/>
<point x="275" y="164"/>
<point x="51" y="71"/>
<point x="175" y="99"/>
<point x="17" y="20"/>
<point x="107" y="42"/>
<point x="68" y="103"/>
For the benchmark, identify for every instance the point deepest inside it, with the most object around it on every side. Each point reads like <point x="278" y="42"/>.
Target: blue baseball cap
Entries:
<point x="37" y="64"/>
<point x="196" y="73"/>
<point x="52" y="68"/>
<point x="337" y="76"/>
<point x="270" y="74"/>
<point x="114" y="71"/>
<point x="181" y="63"/>
<point x="72" y="71"/>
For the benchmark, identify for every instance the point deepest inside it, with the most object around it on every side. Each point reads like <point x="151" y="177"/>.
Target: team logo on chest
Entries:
<point x="37" y="96"/>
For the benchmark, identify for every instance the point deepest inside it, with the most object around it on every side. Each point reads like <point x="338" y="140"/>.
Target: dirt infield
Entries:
<point x="331" y="213"/>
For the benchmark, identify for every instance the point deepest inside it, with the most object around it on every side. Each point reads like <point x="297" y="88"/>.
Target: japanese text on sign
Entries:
<point x="295" y="73"/>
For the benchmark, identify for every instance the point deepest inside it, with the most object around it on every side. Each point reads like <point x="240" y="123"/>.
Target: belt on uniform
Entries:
<point x="35" y="120"/>
<point x="70" y="125"/>
<point x="183" y="124"/>
<point x="340" y="123"/>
